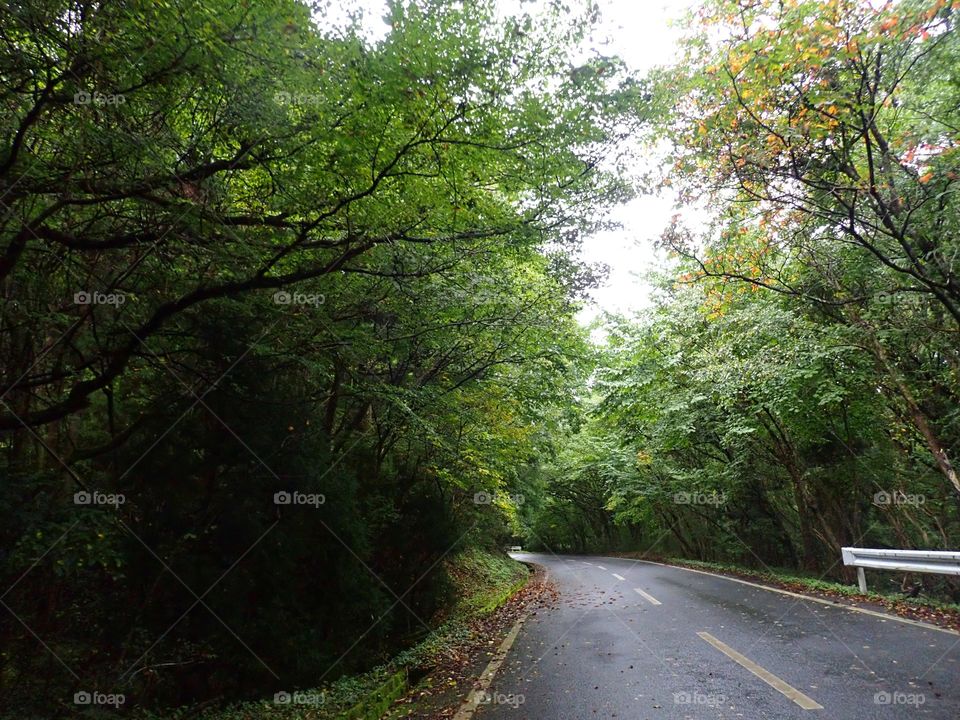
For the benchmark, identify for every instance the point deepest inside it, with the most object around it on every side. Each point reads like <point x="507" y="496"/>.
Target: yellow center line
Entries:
<point x="650" y="598"/>
<point x="768" y="677"/>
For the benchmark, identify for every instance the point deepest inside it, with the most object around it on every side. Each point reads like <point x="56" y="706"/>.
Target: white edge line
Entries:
<point x="470" y="705"/>
<point x="828" y="603"/>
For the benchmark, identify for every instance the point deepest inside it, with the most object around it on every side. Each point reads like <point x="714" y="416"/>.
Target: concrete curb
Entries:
<point x="479" y="693"/>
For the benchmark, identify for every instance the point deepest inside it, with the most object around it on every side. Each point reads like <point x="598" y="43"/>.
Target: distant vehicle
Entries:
<point x="514" y="548"/>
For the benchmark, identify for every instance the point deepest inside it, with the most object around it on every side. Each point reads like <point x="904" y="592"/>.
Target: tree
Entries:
<point x="826" y="135"/>
<point x="249" y="259"/>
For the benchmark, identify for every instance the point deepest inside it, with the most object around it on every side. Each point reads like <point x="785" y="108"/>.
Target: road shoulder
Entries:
<point x="465" y="667"/>
<point x="885" y="608"/>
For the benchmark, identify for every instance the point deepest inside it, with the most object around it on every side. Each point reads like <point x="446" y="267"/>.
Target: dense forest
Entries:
<point x="795" y="387"/>
<point x="289" y="317"/>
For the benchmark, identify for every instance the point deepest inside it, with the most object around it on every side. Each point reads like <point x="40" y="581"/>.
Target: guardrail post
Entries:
<point x="943" y="562"/>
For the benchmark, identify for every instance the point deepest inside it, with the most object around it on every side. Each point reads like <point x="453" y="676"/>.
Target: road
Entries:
<point x="641" y="641"/>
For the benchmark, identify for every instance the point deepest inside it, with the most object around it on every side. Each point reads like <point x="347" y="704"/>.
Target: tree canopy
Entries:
<point x="793" y="389"/>
<point x="290" y="316"/>
<point x="286" y="312"/>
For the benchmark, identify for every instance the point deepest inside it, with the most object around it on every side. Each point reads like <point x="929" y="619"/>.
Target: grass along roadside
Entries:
<point x="482" y="581"/>
<point x="440" y="693"/>
<point x="924" y="609"/>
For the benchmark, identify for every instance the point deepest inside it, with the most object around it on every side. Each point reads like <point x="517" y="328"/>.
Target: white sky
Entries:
<point x="639" y="32"/>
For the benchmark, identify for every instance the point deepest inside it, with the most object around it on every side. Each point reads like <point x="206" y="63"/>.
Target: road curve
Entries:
<point x="640" y="641"/>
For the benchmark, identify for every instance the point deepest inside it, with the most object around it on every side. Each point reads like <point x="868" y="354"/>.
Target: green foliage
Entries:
<point x="245" y="252"/>
<point x="794" y="388"/>
<point x="483" y="580"/>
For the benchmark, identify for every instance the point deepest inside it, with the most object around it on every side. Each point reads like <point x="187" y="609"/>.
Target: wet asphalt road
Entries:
<point x="608" y="651"/>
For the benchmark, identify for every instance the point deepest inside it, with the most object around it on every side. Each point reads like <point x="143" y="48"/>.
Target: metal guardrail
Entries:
<point x="943" y="562"/>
